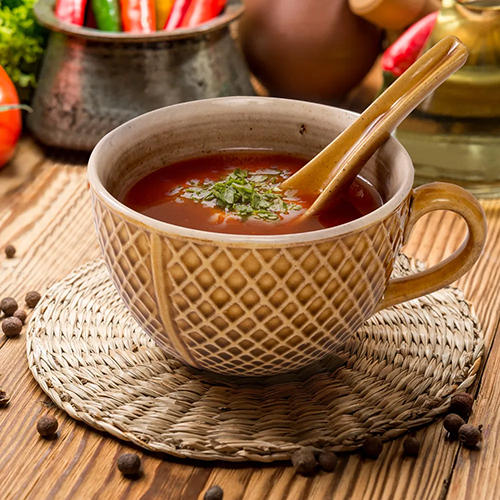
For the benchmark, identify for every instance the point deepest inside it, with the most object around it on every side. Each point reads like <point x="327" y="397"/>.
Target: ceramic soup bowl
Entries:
<point x="260" y="305"/>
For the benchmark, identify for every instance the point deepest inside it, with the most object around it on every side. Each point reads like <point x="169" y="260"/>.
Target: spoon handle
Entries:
<point x="334" y="168"/>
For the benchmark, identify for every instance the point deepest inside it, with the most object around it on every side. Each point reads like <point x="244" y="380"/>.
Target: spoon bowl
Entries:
<point x="332" y="170"/>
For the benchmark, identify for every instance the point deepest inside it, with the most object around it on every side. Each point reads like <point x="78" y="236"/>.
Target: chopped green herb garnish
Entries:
<point x="245" y="195"/>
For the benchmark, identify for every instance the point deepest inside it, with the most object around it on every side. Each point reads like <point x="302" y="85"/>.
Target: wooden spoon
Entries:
<point x="332" y="171"/>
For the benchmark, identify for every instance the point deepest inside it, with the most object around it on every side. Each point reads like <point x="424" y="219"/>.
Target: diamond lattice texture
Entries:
<point x="249" y="310"/>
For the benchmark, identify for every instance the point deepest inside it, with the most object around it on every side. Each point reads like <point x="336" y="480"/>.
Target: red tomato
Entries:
<point x="10" y="121"/>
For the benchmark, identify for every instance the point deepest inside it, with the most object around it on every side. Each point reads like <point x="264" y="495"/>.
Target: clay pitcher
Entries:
<point x="315" y="50"/>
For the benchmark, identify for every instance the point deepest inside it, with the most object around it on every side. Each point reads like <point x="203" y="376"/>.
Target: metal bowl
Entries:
<point x="92" y="81"/>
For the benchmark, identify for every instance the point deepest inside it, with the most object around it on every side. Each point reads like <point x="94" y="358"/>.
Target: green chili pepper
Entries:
<point x="107" y="15"/>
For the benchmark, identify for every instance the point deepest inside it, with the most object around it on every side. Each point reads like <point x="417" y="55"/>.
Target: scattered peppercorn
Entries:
<point x="304" y="461"/>
<point x="469" y="435"/>
<point x="8" y="305"/>
<point x="10" y="251"/>
<point x="4" y="399"/>
<point x="214" y="493"/>
<point x="12" y="326"/>
<point x="452" y="423"/>
<point x="32" y="299"/>
<point x="47" y="426"/>
<point x="328" y="461"/>
<point x="21" y="314"/>
<point x="411" y="446"/>
<point x="461" y="404"/>
<point x="372" y="447"/>
<point x="129" y="464"/>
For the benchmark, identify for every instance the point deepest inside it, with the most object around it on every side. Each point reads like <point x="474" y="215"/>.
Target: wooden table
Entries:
<point x="45" y="212"/>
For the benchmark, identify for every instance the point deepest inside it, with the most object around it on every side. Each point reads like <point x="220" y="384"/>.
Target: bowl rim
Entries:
<point x="247" y="240"/>
<point x="44" y="13"/>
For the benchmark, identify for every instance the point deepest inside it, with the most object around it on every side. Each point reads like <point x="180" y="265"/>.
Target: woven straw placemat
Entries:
<point x="398" y="372"/>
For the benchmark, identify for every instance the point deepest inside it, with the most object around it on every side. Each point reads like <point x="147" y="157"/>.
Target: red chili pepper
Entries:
<point x="71" y="11"/>
<point x="90" y="20"/>
<point x="201" y="11"/>
<point x="177" y="14"/>
<point x="138" y="16"/>
<point x="407" y="48"/>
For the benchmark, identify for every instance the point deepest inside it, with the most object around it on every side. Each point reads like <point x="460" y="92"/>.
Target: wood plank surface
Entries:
<point x="45" y="212"/>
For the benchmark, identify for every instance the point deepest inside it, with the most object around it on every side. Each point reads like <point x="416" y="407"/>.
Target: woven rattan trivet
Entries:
<point x="94" y="362"/>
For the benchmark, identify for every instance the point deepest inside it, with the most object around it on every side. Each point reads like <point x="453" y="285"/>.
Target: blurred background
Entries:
<point x="86" y="66"/>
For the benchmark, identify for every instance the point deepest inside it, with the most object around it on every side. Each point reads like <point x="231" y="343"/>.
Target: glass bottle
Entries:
<point x="454" y="135"/>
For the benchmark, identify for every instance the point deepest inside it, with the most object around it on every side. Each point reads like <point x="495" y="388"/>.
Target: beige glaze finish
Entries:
<point x="255" y="305"/>
<point x="333" y="170"/>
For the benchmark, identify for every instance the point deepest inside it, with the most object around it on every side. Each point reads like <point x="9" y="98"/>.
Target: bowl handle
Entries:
<point x="425" y="199"/>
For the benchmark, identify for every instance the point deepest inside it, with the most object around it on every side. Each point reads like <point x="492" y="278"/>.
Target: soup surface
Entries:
<point x="237" y="192"/>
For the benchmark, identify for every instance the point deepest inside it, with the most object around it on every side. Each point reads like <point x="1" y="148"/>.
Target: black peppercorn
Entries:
<point x="21" y="314"/>
<point x="4" y="399"/>
<point x="411" y="446"/>
<point x="214" y="493"/>
<point x="12" y="326"/>
<point x="328" y="461"/>
<point x="129" y="464"/>
<point x="469" y="435"/>
<point x="32" y="299"/>
<point x="8" y="305"/>
<point x="372" y="447"/>
<point x="47" y="426"/>
<point x="452" y="423"/>
<point x="461" y="404"/>
<point x="10" y="251"/>
<point x="304" y="461"/>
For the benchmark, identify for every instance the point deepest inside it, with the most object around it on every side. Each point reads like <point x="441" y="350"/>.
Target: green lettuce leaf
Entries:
<point x="22" y="42"/>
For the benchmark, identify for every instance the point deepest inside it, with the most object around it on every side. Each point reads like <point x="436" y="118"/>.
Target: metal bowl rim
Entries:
<point x="44" y="13"/>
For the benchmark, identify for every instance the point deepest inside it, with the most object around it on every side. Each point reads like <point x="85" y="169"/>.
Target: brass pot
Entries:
<point x="454" y="135"/>
<point x="93" y="81"/>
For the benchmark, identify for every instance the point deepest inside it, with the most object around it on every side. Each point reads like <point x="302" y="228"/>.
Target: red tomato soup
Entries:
<point x="237" y="192"/>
